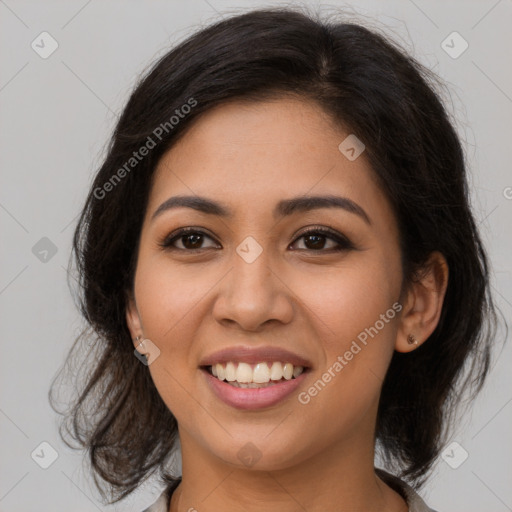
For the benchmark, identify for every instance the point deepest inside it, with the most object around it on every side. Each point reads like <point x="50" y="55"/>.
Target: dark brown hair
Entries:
<point x="365" y="82"/>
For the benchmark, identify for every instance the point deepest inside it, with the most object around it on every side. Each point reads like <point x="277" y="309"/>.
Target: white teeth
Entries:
<point x="230" y="372"/>
<point x="252" y="385"/>
<point x="276" y="372"/>
<point x="261" y="373"/>
<point x="297" y="370"/>
<point x="221" y="373"/>
<point x="288" y="371"/>
<point x="244" y="375"/>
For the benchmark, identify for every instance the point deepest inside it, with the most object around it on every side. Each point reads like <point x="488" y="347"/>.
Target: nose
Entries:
<point x="253" y="295"/>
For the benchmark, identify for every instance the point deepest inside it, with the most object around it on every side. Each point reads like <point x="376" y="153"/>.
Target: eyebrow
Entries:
<point x="284" y="208"/>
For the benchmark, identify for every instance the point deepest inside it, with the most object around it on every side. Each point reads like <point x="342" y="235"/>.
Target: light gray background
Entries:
<point x="56" y="117"/>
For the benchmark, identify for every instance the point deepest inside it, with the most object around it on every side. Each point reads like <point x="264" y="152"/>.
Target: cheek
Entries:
<point x="355" y="321"/>
<point x="166" y="295"/>
<point x="170" y="299"/>
<point x="348" y="299"/>
<point x="161" y="307"/>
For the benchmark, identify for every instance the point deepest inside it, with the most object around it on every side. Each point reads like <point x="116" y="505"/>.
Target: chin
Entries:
<point x="259" y="454"/>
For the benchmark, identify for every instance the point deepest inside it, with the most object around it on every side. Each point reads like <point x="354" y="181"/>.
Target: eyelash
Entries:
<point x="344" y="244"/>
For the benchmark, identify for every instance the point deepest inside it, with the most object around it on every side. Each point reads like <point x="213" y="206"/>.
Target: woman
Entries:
<point x="281" y="234"/>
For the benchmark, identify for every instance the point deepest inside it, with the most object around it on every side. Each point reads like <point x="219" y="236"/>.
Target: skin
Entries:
<point x="295" y="295"/>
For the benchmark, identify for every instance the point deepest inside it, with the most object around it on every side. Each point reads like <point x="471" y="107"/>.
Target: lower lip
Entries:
<point x="252" y="398"/>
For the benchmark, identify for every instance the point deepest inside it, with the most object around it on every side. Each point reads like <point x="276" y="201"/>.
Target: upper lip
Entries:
<point x="254" y="355"/>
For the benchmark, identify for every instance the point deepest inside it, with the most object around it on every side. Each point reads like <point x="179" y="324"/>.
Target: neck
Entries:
<point x="340" y="479"/>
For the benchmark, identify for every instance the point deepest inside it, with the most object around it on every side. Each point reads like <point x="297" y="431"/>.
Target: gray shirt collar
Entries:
<point x="412" y="498"/>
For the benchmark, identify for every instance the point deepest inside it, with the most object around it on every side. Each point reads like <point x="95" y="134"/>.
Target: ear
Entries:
<point x="133" y="318"/>
<point x="423" y="304"/>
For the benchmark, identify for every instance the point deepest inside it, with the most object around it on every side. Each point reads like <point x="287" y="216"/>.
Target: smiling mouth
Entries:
<point x="259" y="375"/>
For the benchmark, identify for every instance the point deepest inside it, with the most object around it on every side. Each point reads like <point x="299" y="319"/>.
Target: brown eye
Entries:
<point x="314" y="241"/>
<point x="187" y="239"/>
<point x="320" y="239"/>
<point x="192" y="241"/>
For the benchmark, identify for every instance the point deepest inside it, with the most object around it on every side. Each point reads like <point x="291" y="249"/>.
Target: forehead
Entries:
<point x="251" y="154"/>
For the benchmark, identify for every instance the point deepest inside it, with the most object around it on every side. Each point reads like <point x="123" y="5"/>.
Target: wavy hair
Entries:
<point x="366" y="83"/>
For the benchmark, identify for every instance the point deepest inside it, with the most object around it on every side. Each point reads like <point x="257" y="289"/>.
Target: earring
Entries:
<point x="411" y="339"/>
<point x="139" y="340"/>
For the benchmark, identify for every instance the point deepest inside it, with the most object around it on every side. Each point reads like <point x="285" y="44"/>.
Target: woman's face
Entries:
<point x="249" y="282"/>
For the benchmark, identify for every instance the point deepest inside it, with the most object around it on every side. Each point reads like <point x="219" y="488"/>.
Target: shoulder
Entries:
<point x="413" y="499"/>
<point x="164" y="500"/>
<point x="160" y="505"/>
